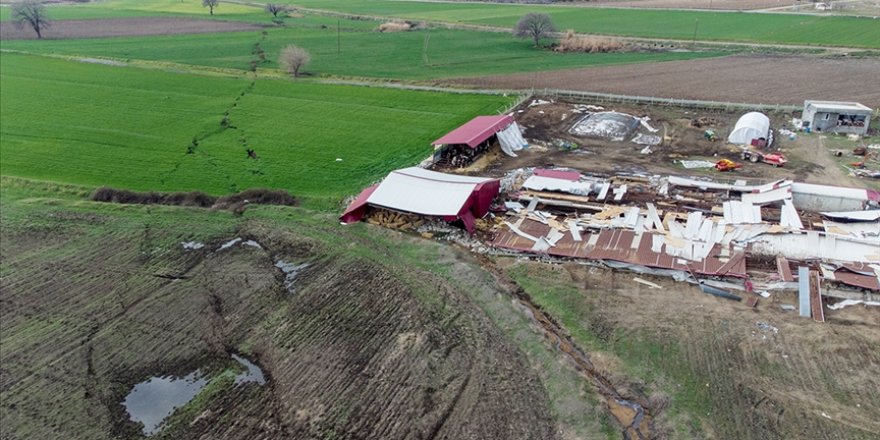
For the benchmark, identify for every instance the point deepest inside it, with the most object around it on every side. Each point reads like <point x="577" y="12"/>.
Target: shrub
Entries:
<point x="571" y="42"/>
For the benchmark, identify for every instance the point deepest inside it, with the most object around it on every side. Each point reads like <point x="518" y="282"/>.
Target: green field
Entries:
<point x="124" y="127"/>
<point x="720" y="26"/>
<point x="357" y="50"/>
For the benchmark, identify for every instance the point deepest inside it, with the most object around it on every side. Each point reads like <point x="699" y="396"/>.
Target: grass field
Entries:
<point x="356" y="51"/>
<point x="124" y="127"/>
<point x="720" y="26"/>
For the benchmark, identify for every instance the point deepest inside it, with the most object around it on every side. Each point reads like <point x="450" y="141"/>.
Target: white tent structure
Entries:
<point x="753" y="125"/>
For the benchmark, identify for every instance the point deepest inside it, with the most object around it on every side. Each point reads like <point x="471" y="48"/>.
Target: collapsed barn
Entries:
<point x="736" y="238"/>
<point x="460" y="147"/>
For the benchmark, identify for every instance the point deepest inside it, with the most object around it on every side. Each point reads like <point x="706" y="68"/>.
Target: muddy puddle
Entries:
<point x="152" y="401"/>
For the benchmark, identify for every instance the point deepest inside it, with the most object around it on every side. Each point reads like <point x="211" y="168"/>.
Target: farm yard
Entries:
<point x="248" y="311"/>
<point x="549" y="124"/>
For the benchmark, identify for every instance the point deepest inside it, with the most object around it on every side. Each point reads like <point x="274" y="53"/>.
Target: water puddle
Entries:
<point x="291" y="271"/>
<point x="152" y="401"/>
<point x="229" y="244"/>
<point x="253" y="373"/>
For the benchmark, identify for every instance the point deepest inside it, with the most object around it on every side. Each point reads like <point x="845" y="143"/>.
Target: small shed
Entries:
<point x="460" y="146"/>
<point x="837" y="117"/>
<point x="750" y="127"/>
<point x="419" y="191"/>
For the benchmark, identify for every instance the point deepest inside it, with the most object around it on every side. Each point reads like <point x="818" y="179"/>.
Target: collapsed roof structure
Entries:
<point x="481" y="129"/>
<point x="429" y="193"/>
<point x="691" y="228"/>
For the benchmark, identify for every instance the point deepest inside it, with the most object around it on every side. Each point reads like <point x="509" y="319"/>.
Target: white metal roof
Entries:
<point x="424" y="192"/>
<point x="838" y="106"/>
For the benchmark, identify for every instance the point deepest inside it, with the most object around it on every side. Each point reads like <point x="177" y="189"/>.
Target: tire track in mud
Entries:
<point x="634" y="417"/>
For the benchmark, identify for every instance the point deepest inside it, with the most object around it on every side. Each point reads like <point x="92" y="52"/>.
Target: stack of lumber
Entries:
<point x="394" y="220"/>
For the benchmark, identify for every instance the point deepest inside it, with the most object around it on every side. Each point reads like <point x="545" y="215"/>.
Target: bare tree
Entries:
<point x="275" y="9"/>
<point x="210" y="4"/>
<point x="535" y="26"/>
<point x="32" y="13"/>
<point x="293" y="58"/>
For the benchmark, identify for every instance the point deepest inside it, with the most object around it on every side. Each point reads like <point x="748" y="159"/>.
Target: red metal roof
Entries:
<point x="475" y="131"/>
<point x="572" y="176"/>
<point x="617" y="245"/>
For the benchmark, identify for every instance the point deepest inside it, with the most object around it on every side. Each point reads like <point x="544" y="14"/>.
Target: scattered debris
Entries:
<point x="852" y="302"/>
<point x="647" y="139"/>
<point x="192" y="245"/>
<point x="766" y="327"/>
<point x="647" y="283"/>
<point x="691" y="164"/>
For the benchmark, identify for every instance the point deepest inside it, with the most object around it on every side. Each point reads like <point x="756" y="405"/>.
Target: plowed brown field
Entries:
<point x="360" y="349"/>
<point x="743" y="78"/>
<point x="123" y="27"/>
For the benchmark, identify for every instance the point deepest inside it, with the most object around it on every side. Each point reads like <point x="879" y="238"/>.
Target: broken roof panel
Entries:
<point x="620" y="245"/>
<point x="475" y="131"/>
<point x="573" y="176"/>
<point x="856" y="216"/>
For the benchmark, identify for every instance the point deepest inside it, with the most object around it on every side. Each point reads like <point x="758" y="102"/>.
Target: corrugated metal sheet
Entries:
<point x="624" y="246"/>
<point x="475" y="131"/>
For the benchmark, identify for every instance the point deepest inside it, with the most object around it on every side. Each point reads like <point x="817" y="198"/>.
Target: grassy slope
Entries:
<point x="722" y="26"/>
<point x="101" y="125"/>
<point x="362" y="52"/>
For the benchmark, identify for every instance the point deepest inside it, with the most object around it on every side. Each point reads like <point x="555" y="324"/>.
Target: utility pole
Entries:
<point x="338" y="45"/>
<point x="696" y="25"/>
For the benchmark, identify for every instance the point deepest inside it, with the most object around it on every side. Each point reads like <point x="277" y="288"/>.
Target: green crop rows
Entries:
<point x="104" y="125"/>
